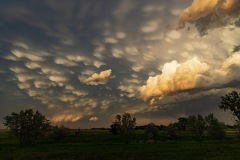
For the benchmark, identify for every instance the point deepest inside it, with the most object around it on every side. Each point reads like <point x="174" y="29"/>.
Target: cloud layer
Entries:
<point x="102" y="58"/>
<point x="210" y="14"/>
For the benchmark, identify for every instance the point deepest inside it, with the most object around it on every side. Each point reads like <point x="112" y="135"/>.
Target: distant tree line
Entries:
<point x="27" y="126"/>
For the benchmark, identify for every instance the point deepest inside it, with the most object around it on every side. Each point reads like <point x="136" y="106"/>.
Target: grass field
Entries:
<point x="101" y="145"/>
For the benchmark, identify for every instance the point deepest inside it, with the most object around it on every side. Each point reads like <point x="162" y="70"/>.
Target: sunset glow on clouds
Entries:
<point x="210" y="13"/>
<point x="83" y="62"/>
<point x="175" y="77"/>
<point x="96" y="79"/>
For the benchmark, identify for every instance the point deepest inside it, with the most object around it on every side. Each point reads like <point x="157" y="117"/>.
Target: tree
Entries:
<point x="231" y="101"/>
<point x="172" y="131"/>
<point x="214" y="128"/>
<point x="27" y="126"/>
<point x="114" y="128"/>
<point x="182" y="123"/>
<point x="151" y="131"/>
<point x="196" y="125"/>
<point x="125" y="125"/>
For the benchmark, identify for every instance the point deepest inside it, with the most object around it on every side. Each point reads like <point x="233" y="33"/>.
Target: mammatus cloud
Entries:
<point x="175" y="77"/>
<point x="210" y="14"/>
<point x="93" y="119"/>
<point x="97" y="79"/>
<point x="66" y="118"/>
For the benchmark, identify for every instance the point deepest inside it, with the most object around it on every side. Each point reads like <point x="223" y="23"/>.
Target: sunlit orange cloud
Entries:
<point x="203" y="8"/>
<point x="233" y="60"/>
<point x="93" y="119"/>
<point x="97" y="78"/>
<point x="175" y="77"/>
<point x="66" y="118"/>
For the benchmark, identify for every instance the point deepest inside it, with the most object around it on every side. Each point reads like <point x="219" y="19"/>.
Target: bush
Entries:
<point x="59" y="133"/>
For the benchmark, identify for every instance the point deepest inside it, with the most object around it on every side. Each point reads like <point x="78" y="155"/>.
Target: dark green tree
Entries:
<point x="151" y="131"/>
<point x="172" y="131"/>
<point x="196" y="125"/>
<point x="114" y="128"/>
<point x="231" y="102"/>
<point x="214" y="128"/>
<point x="182" y="123"/>
<point x="27" y="126"/>
<point x="125" y="126"/>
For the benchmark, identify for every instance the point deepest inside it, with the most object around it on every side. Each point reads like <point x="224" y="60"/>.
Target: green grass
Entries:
<point x="101" y="145"/>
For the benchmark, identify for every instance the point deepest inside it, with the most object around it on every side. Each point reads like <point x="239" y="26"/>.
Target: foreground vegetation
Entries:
<point x="193" y="137"/>
<point x="101" y="144"/>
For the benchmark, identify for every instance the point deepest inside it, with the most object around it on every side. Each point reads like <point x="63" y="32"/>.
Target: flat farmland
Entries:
<point x="102" y="145"/>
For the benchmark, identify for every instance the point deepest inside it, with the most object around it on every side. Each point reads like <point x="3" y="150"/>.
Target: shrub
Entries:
<point x="27" y="126"/>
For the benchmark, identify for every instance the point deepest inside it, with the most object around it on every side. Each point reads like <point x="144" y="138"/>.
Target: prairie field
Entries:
<point x="102" y="145"/>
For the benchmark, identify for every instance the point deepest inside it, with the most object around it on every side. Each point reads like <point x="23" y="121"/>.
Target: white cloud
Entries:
<point x="131" y="50"/>
<point x="120" y="35"/>
<point x="17" y="69"/>
<point x="65" y="62"/>
<point x="150" y="27"/>
<point x="41" y="84"/>
<point x="21" y="44"/>
<point x="111" y="40"/>
<point x="29" y="56"/>
<point x="174" y="34"/>
<point x="32" y="65"/>
<point x="24" y="85"/>
<point x="98" y="64"/>
<point x="117" y="53"/>
<point x="137" y="68"/>
<point x="23" y="77"/>
<point x="58" y="78"/>
<point x="97" y="79"/>
<point x="51" y="71"/>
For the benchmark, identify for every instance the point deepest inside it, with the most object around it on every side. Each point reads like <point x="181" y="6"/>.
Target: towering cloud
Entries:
<point x="175" y="77"/>
<point x="96" y="79"/>
<point x="210" y="13"/>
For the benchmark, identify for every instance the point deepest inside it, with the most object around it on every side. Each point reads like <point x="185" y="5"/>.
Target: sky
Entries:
<point x="82" y="62"/>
